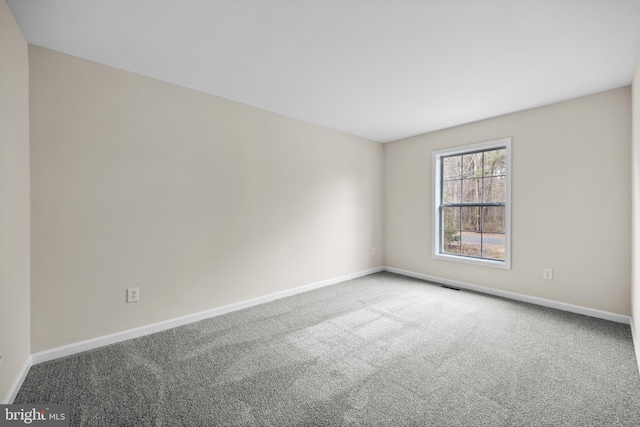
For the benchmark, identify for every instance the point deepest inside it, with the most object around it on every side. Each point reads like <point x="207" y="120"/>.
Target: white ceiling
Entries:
<point x="381" y="69"/>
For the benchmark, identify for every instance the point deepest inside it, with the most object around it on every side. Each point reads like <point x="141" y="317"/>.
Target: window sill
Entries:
<point x="505" y="265"/>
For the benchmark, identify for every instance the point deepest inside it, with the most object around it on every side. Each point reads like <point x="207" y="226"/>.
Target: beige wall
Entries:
<point x="635" y="225"/>
<point x="570" y="202"/>
<point x="199" y="201"/>
<point x="14" y="201"/>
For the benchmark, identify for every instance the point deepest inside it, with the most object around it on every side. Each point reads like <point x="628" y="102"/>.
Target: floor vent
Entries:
<point x="449" y="287"/>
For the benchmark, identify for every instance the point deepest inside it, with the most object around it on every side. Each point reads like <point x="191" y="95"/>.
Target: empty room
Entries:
<point x="292" y="213"/>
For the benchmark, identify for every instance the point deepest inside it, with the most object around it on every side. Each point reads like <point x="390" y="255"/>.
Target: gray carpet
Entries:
<point x="382" y="350"/>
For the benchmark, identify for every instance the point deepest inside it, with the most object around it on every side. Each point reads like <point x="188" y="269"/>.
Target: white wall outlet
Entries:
<point x="373" y="251"/>
<point x="547" y="274"/>
<point x="133" y="294"/>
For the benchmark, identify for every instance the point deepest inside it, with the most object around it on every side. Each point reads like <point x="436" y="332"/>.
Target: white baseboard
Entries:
<point x="636" y="344"/>
<point x="67" y="350"/>
<point x="90" y="344"/>
<point x="15" y="387"/>
<point x="614" y="317"/>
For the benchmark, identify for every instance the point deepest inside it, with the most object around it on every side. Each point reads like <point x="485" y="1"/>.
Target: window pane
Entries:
<point x="493" y="220"/>
<point x="451" y="191"/>
<point x="451" y="242"/>
<point x="493" y="246"/>
<point x="472" y="190"/>
<point x="472" y="165"/>
<point x="451" y="168"/>
<point x="471" y="244"/>
<point x="495" y="162"/>
<point x="495" y="189"/>
<point x="470" y="218"/>
<point x="451" y="218"/>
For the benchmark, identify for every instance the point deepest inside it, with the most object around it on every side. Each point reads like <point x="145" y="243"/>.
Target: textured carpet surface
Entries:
<point x="382" y="350"/>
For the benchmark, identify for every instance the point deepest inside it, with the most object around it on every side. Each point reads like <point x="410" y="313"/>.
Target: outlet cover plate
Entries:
<point x="133" y="294"/>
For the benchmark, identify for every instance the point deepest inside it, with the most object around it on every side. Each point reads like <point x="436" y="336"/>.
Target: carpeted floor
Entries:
<point x="382" y="350"/>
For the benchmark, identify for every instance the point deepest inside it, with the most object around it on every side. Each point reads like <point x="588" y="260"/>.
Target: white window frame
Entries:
<point x="437" y="188"/>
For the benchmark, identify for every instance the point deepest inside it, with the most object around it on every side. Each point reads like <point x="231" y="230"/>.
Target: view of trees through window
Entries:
<point x="473" y="204"/>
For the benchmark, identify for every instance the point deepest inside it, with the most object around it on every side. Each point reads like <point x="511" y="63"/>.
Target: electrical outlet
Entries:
<point x="373" y="251"/>
<point x="547" y="274"/>
<point x="133" y="294"/>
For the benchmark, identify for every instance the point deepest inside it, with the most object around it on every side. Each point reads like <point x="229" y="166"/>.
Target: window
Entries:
<point x="472" y="203"/>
